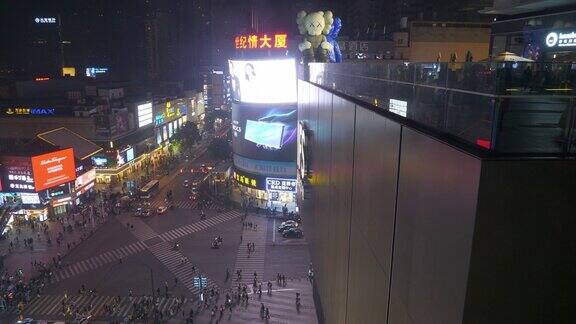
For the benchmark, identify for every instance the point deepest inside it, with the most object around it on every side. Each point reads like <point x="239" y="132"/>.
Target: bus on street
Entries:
<point x="149" y="189"/>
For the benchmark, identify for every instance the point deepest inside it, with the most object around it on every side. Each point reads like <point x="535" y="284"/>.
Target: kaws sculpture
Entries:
<point x="335" y="54"/>
<point x="314" y="27"/>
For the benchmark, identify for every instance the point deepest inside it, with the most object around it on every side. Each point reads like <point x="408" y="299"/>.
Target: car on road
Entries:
<point x="194" y="190"/>
<point x="138" y="211"/>
<point x="145" y="213"/>
<point x="186" y="183"/>
<point x="288" y="222"/>
<point x="161" y="210"/>
<point x="285" y="227"/>
<point x="293" y="233"/>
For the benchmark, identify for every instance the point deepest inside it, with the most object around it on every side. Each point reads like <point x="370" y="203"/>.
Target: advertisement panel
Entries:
<point x="272" y="168"/>
<point x="266" y="81"/>
<point x="264" y="132"/>
<point x="84" y="179"/>
<point x="250" y="180"/>
<point x="16" y="174"/>
<point x="144" y="114"/>
<point x="52" y="169"/>
<point x="130" y="154"/>
<point x="281" y="184"/>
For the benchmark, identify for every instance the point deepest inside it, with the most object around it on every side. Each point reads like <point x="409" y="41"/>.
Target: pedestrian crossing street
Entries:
<point x="123" y="252"/>
<point x="282" y="306"/>
<point x="97" y="261"/>
<point x="172" y="259"/>
<point x="183" y="204"/>
<point x="199" y="226"/>
<point x="253" y="261"/>
<point x="50" y="306"/>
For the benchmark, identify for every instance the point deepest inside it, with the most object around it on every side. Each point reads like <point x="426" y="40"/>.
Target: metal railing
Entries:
<point x="504" y="107"/>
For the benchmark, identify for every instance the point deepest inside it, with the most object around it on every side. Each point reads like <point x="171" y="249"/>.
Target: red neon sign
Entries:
<point x="42" y="79"/>
<point x="261" y="41"/>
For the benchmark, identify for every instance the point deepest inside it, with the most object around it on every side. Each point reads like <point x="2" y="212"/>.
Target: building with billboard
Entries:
<point x="48" y="175"/>
<point x="264" y="126"/>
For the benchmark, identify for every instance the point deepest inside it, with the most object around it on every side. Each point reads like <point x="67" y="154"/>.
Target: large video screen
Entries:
<point x="267" y="81"/>
<point x="53" y="168"/>
<point x="265" y="132"/>
<point x="144" y="114"/>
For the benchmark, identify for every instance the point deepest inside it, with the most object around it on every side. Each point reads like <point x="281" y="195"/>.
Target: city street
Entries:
<point x="132" y="257"/>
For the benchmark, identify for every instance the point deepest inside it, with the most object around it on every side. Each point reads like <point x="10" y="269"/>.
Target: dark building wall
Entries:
<point x="437" y="193"/>
<point x="379" y="188"/>
<point x="376" y="153"/>
<point x="522" y="267"/>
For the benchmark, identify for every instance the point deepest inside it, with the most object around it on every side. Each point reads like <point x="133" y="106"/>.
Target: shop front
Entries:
<point x="538" y="37"/>
<point x="265" y="192"/>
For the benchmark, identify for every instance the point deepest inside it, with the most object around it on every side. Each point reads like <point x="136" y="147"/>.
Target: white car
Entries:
<point x="186" y="184"/>
<point x="161" y="210"/>
<point x="290" y="223"/>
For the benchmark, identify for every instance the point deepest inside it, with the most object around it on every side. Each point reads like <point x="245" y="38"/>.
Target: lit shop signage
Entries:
<point x="45" y="20"/>
<point x="16" y="174"/>
<point x="130" y="154"/>
<point x="261" y="41"/>
<point x="558" y="39"/>
<point x="265" y="167"/>
<point x="53" y="169"/>
<point x="30" y="198"/>
<point x="264" y="81"/>
<point x="28" y="111"/>
<point x="246" y="180"/>
<point x="398" y="107"/>
<point x="144" y="114"/>
<point x="279" y="184"/>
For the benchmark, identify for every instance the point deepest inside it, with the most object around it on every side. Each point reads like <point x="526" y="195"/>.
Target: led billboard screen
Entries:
<point x="264" y="132"/>
<point x="267" y="81"/>
<point x="144" y="114"/>
<point x="53" y="168"/>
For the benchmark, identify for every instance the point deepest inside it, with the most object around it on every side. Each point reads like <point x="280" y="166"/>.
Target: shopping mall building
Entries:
<point x="47" y="176"/>
<point x="438" y="192"/>
<point x="264" y="125"/>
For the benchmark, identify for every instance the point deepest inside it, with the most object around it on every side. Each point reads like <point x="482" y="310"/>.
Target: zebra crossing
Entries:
<point x="253" y="261"/>
<point x="97" y="261"/>
<point x="183" y="204"/>
<point x="112" y="256"/>
<point x="199" y="226"/>
<point x="172" y="259"/>
<point x="281" y="303"/>
<point x="50" y="306"/>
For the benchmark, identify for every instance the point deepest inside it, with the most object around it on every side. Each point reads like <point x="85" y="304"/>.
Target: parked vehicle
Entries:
<point x="293" y="233"/>
<point x="285" y="227"/>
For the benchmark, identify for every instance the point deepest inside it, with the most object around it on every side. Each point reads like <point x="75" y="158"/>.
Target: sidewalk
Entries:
<point x="22" y="257"/>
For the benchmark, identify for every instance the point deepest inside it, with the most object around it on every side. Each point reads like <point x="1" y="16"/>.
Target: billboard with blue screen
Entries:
<point x="265" y="132"/>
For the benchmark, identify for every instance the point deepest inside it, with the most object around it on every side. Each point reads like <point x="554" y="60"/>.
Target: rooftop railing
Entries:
<point x="503" y="107"/>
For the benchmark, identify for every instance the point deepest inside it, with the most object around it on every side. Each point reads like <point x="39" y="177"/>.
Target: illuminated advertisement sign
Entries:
<point x="144" y="114"/>
<point x="271" y="168"/>
<point x="30" y="198"/>
<point x="263" y="132"/>
<point x="281" y="184"/>
<point x="249" y="180"/>
<point x="398" y="107"/>
<point x="45" y="20"/>
<point x="28" y="111"/>
<point x="17" y="174"/>
<point x="85" y="179"/>
<point x="130" y="154"/>
<point x="92" y="72"/>
<point x="170" y="130"/>
<point x="100" y="161"/>
<point x="560" y="39"/>
<point x="53" y="168"/>
<point x="165" y="132"/>
<point x="261" y="41"/>
<point x="266" y="81"/>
